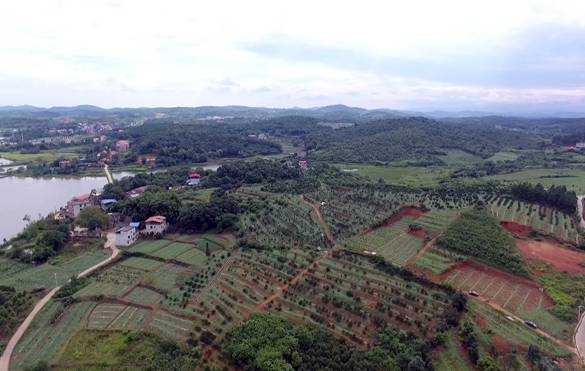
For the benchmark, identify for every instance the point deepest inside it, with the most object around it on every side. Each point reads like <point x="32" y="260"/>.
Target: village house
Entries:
<point x="133" y="193"/>
<point x="148" y="160"/>
<point x="126" y="236"/>
<point x="122" y="145"/>
<point x="78" y="203"/>
<point x="155" y="225"/>
<point x="193" y="179"/>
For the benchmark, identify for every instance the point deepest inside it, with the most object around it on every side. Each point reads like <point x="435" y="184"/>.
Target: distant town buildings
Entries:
<point x="122" y="145"/>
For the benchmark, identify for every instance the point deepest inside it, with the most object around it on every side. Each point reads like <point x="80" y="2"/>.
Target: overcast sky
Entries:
<point x="424" y="55"/>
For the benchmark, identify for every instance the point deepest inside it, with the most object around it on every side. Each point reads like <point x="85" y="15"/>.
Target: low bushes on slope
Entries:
<point x="479" y="235"/>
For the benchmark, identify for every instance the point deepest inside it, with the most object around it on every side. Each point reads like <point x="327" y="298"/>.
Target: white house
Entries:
<point x="155" y="225"/>
<point x="126" y="236"/>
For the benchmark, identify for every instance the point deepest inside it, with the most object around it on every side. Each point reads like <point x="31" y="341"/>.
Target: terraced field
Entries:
<point x="508" y="291"/>
<point x="436" y="220"/>
<point x="48" y="333"/>
<point x="348" y="295"/>
<point x="437" y="261"/>
<point x="541" y="218"/>
<point x="393" y="243"/>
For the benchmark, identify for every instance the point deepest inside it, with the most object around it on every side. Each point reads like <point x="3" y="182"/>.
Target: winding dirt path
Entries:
<point x="5" y="359"/>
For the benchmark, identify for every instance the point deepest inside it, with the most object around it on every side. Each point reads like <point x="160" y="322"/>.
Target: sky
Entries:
<point x="498" y="56"/>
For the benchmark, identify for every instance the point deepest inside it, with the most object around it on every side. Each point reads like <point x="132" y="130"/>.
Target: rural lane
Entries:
<point x="5" y="359"/>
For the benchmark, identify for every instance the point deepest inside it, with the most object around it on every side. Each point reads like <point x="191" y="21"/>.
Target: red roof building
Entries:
<point x="194" y="175"/>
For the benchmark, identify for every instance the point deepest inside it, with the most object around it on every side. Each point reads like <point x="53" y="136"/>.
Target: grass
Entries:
<point x="148" y="247"/>
<point x="451" y="357"/>
<point x="173" y="250"/>
<point x="407" y="176"/>
<point x="142" y="295"/>
<point x="94" y="349"/>
<point x="141" y="263"/>
<point x="193" y="257"/>
<point x="512" y="331"/>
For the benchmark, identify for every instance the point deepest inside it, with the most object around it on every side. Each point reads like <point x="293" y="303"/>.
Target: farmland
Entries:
<point x="546" y="220"/>
<point x="350" y="212"/>
<point x="518" y="295"/>
<point x="573" y="179"/>
<point x="393" y="242"/>
<point x="286" y="223"/>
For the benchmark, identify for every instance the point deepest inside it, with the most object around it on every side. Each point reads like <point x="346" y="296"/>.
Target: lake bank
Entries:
<point x="37" y="197"/>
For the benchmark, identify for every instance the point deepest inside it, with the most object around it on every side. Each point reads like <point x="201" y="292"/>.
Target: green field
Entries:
<point x="148" y="246"/>
<point x="435" y="261"/>
<point x="573" y="179"/>
<point x="42" y="156"/>
<point x="407" y="175"/>
<point x="503" y="156"/>
<point x="456" y="157"/>
<point x="393" y="243"/>
<point x="141" y="263"/>
<point x="46" y="337"/>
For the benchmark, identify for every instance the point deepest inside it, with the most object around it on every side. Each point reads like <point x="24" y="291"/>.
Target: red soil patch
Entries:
<point x="517" y="229"/>
<point x="405" y="211"/>
<point x="501" y="345"/>
<point x="481" y="321"/>
<point x="420" y="233"/>
<point x="562" y="259"/>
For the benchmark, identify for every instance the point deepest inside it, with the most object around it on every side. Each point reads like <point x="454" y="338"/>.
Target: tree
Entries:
<point x="92" y="218"/>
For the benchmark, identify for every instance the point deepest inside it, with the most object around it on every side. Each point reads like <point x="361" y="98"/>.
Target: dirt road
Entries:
<point x="5" y="359"/>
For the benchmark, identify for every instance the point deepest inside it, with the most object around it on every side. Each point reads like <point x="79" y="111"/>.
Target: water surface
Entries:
<point x="36" y="197"/>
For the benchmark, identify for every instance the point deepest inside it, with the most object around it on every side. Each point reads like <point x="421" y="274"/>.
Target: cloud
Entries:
<point x="550" y="55"/>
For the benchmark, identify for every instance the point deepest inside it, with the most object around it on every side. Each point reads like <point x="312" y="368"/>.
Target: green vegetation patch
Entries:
<point x="416" y="176"/>
<point x="141" y="263"/>
<point x="479" y="235"/>
<point x="113" y="349"/>
<point x="435" y="261"/>
<point x="148" y="247"/>
<point x="266" y="342"/>
<point x="172" y="250"/>
<point x="14" y="306"/>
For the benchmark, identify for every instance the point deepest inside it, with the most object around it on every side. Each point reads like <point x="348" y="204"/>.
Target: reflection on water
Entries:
<point x="37" y="197"/>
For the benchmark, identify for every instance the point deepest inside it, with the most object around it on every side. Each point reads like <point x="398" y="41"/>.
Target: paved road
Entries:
<point x="108" y="174"/>
<point x="5" y="359"/>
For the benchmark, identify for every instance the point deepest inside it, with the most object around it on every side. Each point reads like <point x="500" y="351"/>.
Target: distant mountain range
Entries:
<point x="337" y="112"/>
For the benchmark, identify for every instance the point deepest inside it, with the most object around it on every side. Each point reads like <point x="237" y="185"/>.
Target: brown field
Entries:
<point x="516" y="229"/>
<point x="551" y="252"/>
<point x="513" y="293"/>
